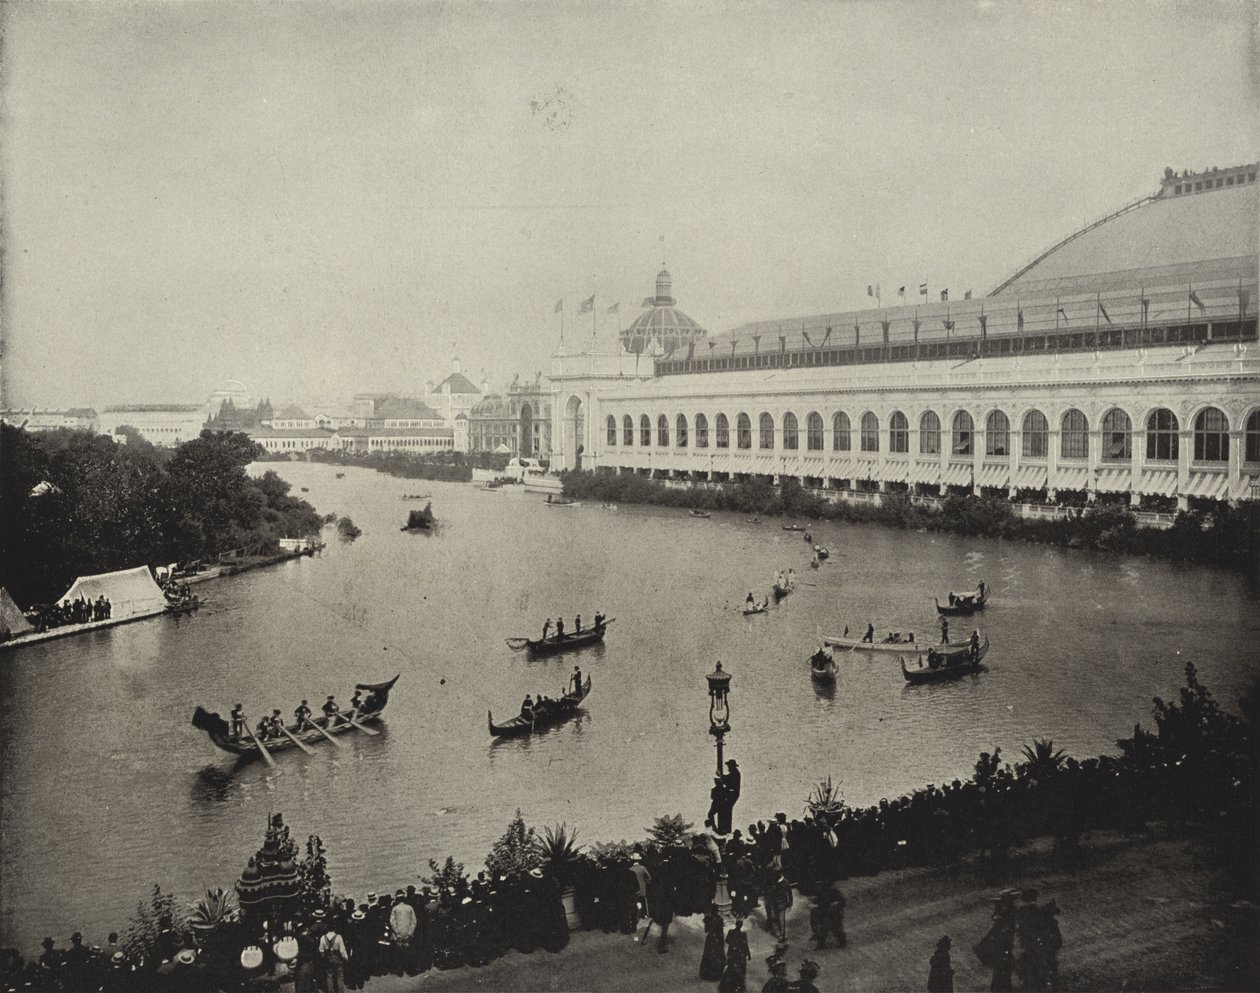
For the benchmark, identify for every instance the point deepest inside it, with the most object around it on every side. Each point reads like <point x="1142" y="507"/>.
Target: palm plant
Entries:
<point x="670" y="831"/>
<point x="825" y="801"/>
<point x="212" y="909"/>
<point x="558" y="849"/>
<point x="1042" y="759"/>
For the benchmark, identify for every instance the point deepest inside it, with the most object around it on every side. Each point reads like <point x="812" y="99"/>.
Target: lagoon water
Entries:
<point x="107" y="789"/>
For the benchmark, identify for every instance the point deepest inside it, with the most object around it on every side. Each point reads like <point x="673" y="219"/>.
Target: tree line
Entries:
<point x="77" y="503"/>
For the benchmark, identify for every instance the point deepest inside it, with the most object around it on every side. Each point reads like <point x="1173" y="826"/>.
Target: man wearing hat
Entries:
<point x="577" y="681"/>
<point x="76" y="963"/>
<point x="402" y="928"/>
<point x="641" y="877"/>
<point x="778" y="981"/>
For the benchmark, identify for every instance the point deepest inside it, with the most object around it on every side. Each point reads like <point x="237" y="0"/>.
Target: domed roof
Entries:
<point x="662" y="323"/>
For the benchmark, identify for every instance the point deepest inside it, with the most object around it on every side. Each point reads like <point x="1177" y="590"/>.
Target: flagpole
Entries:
<point x="1189" y="296"/>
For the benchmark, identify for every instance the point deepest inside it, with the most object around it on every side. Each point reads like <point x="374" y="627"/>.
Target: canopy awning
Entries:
<point x="130" y="592"/>
<point x="867" y="469"/>
<point x="1030" y="477"/>
<point x="1114" y="480"/>
<point x="957" y="474"/>
<point x="896" y="471"/>
<point x="840" y="468"/>
<point x="925" y="472"/>
<point x="1071" y="477"/>
<point x="993" y="475"/>
<point x="11" y="615"/>
<point x="1158" y="482"/>
<point x="1209" y="485"/>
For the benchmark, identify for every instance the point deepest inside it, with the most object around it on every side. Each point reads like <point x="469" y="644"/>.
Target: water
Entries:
<point x="107" y="788"/>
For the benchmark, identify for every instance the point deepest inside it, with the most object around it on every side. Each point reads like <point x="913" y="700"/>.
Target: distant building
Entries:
<point x="164" y="424"/>
<point x="283" y="440"/>
<point x="292" y="418"/>
<point x="235" y="391"/>
<point x="517" y="422"/>
<point x="456" y="394"/>
<point x="50" y="418"/>
<point x="416" y="441"/>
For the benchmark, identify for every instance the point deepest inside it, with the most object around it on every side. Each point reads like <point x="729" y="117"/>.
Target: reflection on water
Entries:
<point x="1080" y="645"/>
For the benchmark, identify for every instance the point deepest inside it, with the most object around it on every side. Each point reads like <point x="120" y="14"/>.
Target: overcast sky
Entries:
<point x="321" y="198"/>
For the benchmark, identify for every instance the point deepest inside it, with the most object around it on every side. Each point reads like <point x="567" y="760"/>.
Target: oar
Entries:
<point x="306" y="748"/>
<point x="261" y="747"/>
<point x="324" y="733"/>
<point x="365" y="730"/>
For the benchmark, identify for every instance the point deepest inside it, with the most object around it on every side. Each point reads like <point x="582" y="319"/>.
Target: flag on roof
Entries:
<point x="967" y="295"/>
<point x="559" y="306"/>
<point x="648" y="302"/>
<point x="923" y="289"/>
<point x="1103" y="310"/>
<point x="1244" y="298"/>
<point x="901" y="292"/>
<point x="944" y="295"/>
<point x="1194" y="299"/>
<point x="1019" y="319"/>
<point x="615" y="308"/>
<point x="587" y="305"/>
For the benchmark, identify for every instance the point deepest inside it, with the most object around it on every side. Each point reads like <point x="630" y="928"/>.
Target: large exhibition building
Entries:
<point x="1120" y="364"/>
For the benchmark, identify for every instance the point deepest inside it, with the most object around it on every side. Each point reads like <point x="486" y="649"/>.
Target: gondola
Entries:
<point x="756" y="608"/>
<point x="558" y="643"/>
<point x="940" y="674"/>
<point x="314" y="731"/>
<point x="964" y="604"/>
<point x="822" y="667"/>
<point x="699" y="513"/>
<point x="558" y="711"/>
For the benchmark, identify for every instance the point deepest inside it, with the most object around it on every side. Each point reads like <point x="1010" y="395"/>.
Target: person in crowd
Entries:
<point x="641" y="878"/>
<point x="302" y="714"/>
<point x="576" y="680"/>
<point x="808" y="972"/>
<point x="712" y="959"/>
<point x="661" y="898"/>
<point x="996" y="949"/>
<point x="402" y="928"/>
<point x="735" y="974"/>
<point x="335" y="957"/>
<point x="941" y="969"/>
<point x="546" y="629"/>
<point x="559" y="628"/>
<point x="778" y="981"/>
<point x="778" y="902"/>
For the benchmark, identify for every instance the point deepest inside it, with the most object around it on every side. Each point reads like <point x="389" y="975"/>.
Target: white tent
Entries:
<point x="131" y="592"/>
<point x="11" y="616"/>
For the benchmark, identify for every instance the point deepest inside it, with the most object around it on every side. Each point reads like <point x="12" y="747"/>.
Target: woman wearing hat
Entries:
<point x="735" y="975"/>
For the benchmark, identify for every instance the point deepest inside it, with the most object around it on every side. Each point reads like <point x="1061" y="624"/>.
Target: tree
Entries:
<point x="516" y="851"/>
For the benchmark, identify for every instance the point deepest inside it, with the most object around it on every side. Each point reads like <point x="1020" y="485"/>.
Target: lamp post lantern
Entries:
<point x="726" y="787"/>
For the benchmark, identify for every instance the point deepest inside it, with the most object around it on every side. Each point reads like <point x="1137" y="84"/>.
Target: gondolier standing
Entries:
<point x="975" y="645"/>
<point x="577" y="681"/>
<point x="546" y="629"/>
<point x="238" y="721"/>
<point x="944" y="630"/>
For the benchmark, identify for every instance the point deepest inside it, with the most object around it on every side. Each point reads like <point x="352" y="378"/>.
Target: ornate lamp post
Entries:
<point x="719" y="724"/>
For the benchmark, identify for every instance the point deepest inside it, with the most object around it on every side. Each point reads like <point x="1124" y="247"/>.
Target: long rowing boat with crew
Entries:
<point x="311" y="731"/>
<point x="561" y="642"/>
<point x="553" y="712"/>
<point x="858" y="645"/>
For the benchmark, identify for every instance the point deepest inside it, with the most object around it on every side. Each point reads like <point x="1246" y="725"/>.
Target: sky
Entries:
<point x="320" y="199"/>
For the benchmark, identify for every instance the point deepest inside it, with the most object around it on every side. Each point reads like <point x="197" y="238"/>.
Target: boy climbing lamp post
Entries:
<point x="719" y="725"/>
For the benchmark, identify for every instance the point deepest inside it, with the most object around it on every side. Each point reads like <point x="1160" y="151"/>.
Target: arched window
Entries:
<point x="723" y="439"/>
<point x="1161" y="436"/>
<point x="1036" y="435"/>
<point x="662" y="431"/>
<point x="898" y="433"/>
<point x="1117" y="440"/>
<point x="964" y="427"/>
<point x="743" y="431"/>
<point x="997" y="435"/>
<point x="1074" y="436"/>
<point x="765" y="431"/>
<point x="1251" y="451"/>
<point x="612" y="430"/>
<point x="1211" y="436"/>
<point x="790" y="441"/>
<point x="627" y="430"/>
<point x="645" y="431"/>
<point x="702" y="431"/>
<point x="870" y="432"/>
<point x="841" y="433"/>
<point x="814" y="432"/>
<point x="680" y="431"/>
<point x="930" y="434"/>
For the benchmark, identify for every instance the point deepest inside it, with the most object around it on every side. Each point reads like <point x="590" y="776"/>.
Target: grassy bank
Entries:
<point x="1227" y="537"/>
<point x="448" y="467"/>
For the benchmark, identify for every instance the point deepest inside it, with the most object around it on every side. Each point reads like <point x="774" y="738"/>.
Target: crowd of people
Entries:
<point x="78" y="611"/>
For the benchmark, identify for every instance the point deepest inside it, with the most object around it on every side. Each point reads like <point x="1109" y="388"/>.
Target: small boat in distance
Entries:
<point x="822" y="667"/>
<point x="312" y="731"/>
<point x="964" y="604"/>
<point x="699" y="513"/>
<point x="753" y="520"/>
<point x="856" y="644"/>
<point x="753" y="607"/>
<point x="415" y="496"/>
<point x="555" y="501"/>
<point x="561" y="643"/>
<point x="552" y="712"/>
<point x="942" y="673"/>
<point x="822" y="552"/>
<point x="792" y="527"/>
<point x="341" y="475"/>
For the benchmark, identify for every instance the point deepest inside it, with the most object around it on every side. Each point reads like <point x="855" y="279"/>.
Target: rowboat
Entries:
<point x="558" y="711"/>
<point x="781" y="591"/>
<point x="699" y="513"/>
<point x="792" y="527"/>
<point x="560" y="501"/>
<point x="561" y="643"/>
<point x="855" y="644"/>
<point x="756" y="608"/>
<point x="341" y="475"/>
<point x="822" y="552"/>
<point x="184" y="605"/>
<point x="963" y="604"/>
<point x="822" y="667"/>
<point x="941" y="674"/>
<point x="312" y="731"/>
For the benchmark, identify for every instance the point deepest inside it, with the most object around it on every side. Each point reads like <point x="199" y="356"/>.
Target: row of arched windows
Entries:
<point x="1211" y="434"/>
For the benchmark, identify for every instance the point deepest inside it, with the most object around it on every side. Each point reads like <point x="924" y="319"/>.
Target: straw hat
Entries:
<point x="186" y="956"/>
<point x="251" y="957"/>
